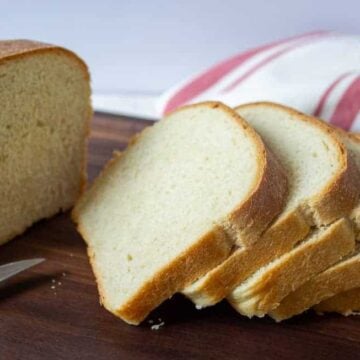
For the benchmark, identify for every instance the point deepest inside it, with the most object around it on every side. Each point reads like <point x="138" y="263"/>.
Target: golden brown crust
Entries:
<point x="16" y="49"/>
<point x="345" y="303"/>
<point x="309" y="258"/>
<point x="341" y="277"/>
<point x="342" y="193"/>
<point x="277" y="240"/>
<point x="270" y="196"/>
<point x="213" y="248"/>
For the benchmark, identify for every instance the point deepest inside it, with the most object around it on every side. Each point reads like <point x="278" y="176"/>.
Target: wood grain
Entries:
<point x="52" y="311"/>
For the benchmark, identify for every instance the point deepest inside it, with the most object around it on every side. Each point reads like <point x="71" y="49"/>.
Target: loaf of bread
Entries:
<point x="172" y="206"/>
<point x="44" y="122"/>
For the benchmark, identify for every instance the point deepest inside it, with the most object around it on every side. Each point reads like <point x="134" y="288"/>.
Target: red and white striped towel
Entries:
<point x="317" y="73"/>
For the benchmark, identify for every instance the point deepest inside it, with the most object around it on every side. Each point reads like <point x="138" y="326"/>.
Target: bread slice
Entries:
<point x="319" y="179"/>
<point x="345" y="303"/>
<point x="340" y="277"/>
<point x="44" y="122"/>
<point x="172" y="206"/>
<point x="263" y="292"/>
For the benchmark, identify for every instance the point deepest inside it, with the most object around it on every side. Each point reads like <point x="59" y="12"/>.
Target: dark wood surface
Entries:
<point x="52" y="310"/>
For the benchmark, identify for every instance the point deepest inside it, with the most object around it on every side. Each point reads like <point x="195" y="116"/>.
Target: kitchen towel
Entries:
<point x="317" y="73"/>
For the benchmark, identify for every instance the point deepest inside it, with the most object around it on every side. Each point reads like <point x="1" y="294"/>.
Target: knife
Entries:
<point x="11" y="269"/>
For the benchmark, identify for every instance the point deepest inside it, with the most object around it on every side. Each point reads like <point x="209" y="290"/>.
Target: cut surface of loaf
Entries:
<point x="44" y="121"/>
<point x="264" y="290"/>
<point x="345" y="303"/>
<point x="317" y="168"/>
<point x="340" y="277"/>
<point x="171" y="206"/>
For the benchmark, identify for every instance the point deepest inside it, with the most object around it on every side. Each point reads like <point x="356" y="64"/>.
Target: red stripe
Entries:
<point x="262" y="63"/>
<point x="348" y="107"/>
<point x="328" y="91"/>
<point x="207" y="79"/>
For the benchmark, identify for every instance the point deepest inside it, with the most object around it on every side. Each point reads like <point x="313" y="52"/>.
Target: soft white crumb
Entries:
<point x="198" y="307"/>
<point x="157" y="326"/>
<point x="53" y="287"/>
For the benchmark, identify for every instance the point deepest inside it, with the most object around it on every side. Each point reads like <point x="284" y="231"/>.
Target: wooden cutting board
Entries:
<point x="52" y="311"/>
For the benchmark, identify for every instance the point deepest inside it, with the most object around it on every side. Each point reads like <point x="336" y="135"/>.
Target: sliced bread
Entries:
<point x="172" y="206"/>
<point x="338" y="278"/>
<point x="265" y="289"/>
<point x="341" y="277"/>
<point x="319" y="178"/>
<point x="44" y="122"/>
<point x="345" y="303"/>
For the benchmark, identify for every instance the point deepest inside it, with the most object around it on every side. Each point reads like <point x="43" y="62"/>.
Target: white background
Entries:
<point x="147" y="46"/>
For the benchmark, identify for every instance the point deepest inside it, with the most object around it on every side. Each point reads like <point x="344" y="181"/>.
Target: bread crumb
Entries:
<point x="151" y="321"/>
<point x="63" y="274"/>
<point x="157" y="326"/>
<point x="59" y="283"/>
<point x="53" y="287"/>
<point x="53" y="281"/>
<point x="198" y="307"/>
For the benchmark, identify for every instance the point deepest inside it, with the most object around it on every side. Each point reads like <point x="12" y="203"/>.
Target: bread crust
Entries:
<point x="309" y="258"/>
<point x="215" y="246"/>
<point x="339" y="278"/>
<point x="13" y="50"/>
<point x="345" y="303"/>
<point x="277" y="240"/>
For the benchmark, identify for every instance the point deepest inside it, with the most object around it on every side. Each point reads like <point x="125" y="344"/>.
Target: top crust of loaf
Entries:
<point x="16" y="49"/>
<point x="342" y="193"/>
<point x="270" y="190"/>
